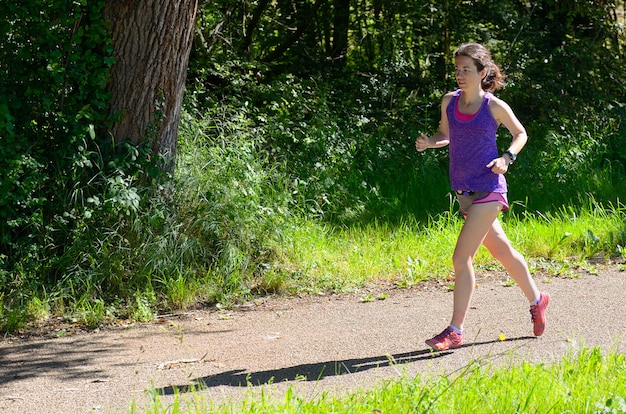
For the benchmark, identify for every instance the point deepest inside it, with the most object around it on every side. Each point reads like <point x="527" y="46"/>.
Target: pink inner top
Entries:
<point x="461" y="116"/>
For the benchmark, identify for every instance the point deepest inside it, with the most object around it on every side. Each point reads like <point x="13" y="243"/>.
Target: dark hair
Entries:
<point x="481" y="56"/>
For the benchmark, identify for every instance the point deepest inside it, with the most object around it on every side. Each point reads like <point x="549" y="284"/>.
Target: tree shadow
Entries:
<point x="314" y="371"/>
<point x="65" y="360"/>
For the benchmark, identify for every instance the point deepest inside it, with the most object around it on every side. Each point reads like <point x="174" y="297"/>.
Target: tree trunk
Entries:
<point x="256" y="17"/>
<point x="341" y="27"/>
<point x="151" y="45"/>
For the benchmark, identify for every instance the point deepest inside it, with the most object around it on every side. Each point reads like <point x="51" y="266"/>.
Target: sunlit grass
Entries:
<point x="341" y="258"/>
<point x="320" y="257"/>
<point x="572" y="233"/>
<point x="581" y="382"/>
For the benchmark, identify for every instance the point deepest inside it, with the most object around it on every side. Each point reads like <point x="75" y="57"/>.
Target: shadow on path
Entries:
<point x="64" y="360"/>
<point x="314" y="371"/>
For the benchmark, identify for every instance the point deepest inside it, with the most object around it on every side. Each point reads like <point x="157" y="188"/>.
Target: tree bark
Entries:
<point x="341" y="27"/>
<point x="256" y="17"/>
<point x="151" y="45"/>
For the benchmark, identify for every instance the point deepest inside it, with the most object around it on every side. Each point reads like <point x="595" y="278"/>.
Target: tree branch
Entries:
<point x="297" y="34"/>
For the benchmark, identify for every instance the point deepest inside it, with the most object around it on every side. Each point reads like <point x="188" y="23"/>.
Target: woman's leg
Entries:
<point x="477" y="226"/>
<point x="500" y="248"/>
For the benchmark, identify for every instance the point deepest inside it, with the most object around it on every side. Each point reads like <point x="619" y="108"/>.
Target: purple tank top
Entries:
<point x="472" y="147"/>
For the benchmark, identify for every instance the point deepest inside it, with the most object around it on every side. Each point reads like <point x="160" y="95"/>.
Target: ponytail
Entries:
<point x="494" y="79"/>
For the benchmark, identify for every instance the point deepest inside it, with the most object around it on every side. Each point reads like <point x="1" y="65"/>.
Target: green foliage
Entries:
<point x="55" y="61"/>
<point x="565" y="61"/>
<point x="569" y="164"/>
<point x="347" y="147"/>
<point x="229" y="195"/>
<point x="347" y="130"/>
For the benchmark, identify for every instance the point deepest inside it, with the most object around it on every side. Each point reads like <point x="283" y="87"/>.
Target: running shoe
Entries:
<point x="538" y="313"/>
<point x="445" y="340"/>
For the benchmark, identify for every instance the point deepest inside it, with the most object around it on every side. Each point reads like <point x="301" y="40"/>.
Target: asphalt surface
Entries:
<point x="315" y="344"/>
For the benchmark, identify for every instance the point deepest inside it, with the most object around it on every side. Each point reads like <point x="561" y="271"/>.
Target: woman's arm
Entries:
<point x="441" y="138"/>
<point x="504" y="115"/>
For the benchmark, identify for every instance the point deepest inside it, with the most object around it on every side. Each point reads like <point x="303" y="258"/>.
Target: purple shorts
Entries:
<point x="467" y="198"/>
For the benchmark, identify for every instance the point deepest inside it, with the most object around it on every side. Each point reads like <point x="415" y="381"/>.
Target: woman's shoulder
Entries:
<point x="498" y="104"/>
<point x="448" y="96"/>
<point x="500" y="109"/>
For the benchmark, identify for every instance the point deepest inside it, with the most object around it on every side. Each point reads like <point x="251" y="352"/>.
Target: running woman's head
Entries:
<point x="493" y="79"/>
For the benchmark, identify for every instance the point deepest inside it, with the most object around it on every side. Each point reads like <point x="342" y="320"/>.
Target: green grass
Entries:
<point x="581" y="382"/>
<point x="312" y="256"/>
<point x="586" y="232"/>
<point x="319" y="257"/>
<point x="339" y="259"/>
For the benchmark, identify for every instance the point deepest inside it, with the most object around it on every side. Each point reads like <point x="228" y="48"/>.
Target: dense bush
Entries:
<point x="53" y="93"/>
<point x="54" y="64"/>
<point x="67" y="191"/>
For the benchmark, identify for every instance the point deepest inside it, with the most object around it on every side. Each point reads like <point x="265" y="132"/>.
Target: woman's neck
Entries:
<point x="471" y="97"/>
<point x="469" y="103"/>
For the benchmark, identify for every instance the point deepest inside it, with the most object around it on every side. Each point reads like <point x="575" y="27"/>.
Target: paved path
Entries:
<point x="334" y="343"/>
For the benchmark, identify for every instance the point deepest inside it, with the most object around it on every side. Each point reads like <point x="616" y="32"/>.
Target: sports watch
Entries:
<point x="512" y="156"/>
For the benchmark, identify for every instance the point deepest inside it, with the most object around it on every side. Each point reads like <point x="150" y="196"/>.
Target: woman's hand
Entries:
<point x="499" y="165"/>
<point x="422" y="143"/>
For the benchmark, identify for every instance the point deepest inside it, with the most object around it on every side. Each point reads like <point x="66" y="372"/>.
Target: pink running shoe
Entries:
<point x="538" y="313"/>
<point x="445" y="340"/>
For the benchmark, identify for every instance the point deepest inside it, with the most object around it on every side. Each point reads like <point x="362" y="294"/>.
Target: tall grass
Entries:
<point x="582" y="382"/>
<point x="338" y="258"/>
<point x="589" y="231"/>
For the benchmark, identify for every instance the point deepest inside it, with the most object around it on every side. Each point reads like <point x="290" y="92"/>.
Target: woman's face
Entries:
<point x="467" y="74"/>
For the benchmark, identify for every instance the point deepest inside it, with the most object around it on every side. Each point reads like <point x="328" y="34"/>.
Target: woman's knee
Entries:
<point x="462" y="260"/>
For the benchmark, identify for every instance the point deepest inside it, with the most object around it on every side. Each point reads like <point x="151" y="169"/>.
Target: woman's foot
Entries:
<point x="445" y="340"/>
<point x="538" y="313"/>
